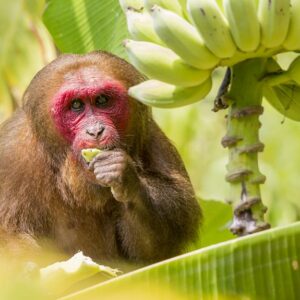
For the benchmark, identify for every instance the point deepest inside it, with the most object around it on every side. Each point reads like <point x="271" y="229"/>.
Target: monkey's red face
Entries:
<point x="90" y="110"/>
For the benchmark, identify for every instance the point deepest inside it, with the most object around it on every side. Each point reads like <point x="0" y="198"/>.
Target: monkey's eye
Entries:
<point x="101" y="100"/>
<point x="77" y="105"/>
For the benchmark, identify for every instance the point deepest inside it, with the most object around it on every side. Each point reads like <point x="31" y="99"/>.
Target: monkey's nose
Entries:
<point x="95" y="130"/>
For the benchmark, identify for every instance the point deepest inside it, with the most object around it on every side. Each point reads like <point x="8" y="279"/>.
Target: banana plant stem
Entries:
<point x="242" y="140"/>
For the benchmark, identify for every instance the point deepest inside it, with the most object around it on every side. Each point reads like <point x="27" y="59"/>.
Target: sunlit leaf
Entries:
<point x="80" y="26"/>
<point x="261" y="266"/>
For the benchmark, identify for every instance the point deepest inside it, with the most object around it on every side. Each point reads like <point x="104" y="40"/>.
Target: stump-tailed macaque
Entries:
<point x="133" y="201"/>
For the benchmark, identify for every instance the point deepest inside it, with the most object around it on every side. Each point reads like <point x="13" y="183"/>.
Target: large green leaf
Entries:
<point x="261" y="266"/>
<point x="80" y="26"/>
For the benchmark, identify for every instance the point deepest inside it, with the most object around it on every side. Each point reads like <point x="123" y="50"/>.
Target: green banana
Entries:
<point x="163" y="64"/>
<point x="243" y="23"/>
<point x="213" y="27"/>
<point x="292" y="41"/>
<point x="140" y="26"/>
<point x="89" y="154"/>
<point x="172" y="5"/>
<point x="180" y="36"/>
<point x="274" y="18"/>
<point x="137" y="5"/>
<point x="163" y="95"/>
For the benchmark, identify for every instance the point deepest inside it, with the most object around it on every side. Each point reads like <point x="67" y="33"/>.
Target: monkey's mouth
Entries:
<point x="100" y="147"/>
<point x="104" y="143"/>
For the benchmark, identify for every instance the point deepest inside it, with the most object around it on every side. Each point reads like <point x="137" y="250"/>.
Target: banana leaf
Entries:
<point x="80" y="26"/>
<point x="285" y="98"/>
<point x="261" y="266"/>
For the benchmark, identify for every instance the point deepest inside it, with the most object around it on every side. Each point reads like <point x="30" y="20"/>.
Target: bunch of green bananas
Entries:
<point x="178" y="43"/>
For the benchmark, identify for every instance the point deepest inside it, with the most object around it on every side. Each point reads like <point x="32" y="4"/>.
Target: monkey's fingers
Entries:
<point x="106" y="158"/>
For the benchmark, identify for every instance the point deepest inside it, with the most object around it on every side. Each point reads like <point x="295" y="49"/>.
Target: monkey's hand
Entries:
<point x="116" y="169"/>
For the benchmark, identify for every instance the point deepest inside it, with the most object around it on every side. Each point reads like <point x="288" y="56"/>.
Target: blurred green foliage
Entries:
<point x="25" y="46"/>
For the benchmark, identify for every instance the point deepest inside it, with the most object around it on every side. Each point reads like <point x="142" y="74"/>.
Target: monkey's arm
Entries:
<point x="159" y="211"/>
<point x="161" y="219"/>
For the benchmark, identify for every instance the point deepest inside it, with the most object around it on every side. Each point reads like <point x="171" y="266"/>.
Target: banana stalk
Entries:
<point x="242" y="140"/>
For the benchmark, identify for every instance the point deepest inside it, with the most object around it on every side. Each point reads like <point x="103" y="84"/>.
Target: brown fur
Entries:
<point x="44" y="192"/>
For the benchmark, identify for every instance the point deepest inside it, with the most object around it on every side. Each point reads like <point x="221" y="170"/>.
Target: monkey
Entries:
<point x="134" y="201"/>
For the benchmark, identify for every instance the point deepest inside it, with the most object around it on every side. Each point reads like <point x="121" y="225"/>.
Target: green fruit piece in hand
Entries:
<point x="89" y="154"/>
